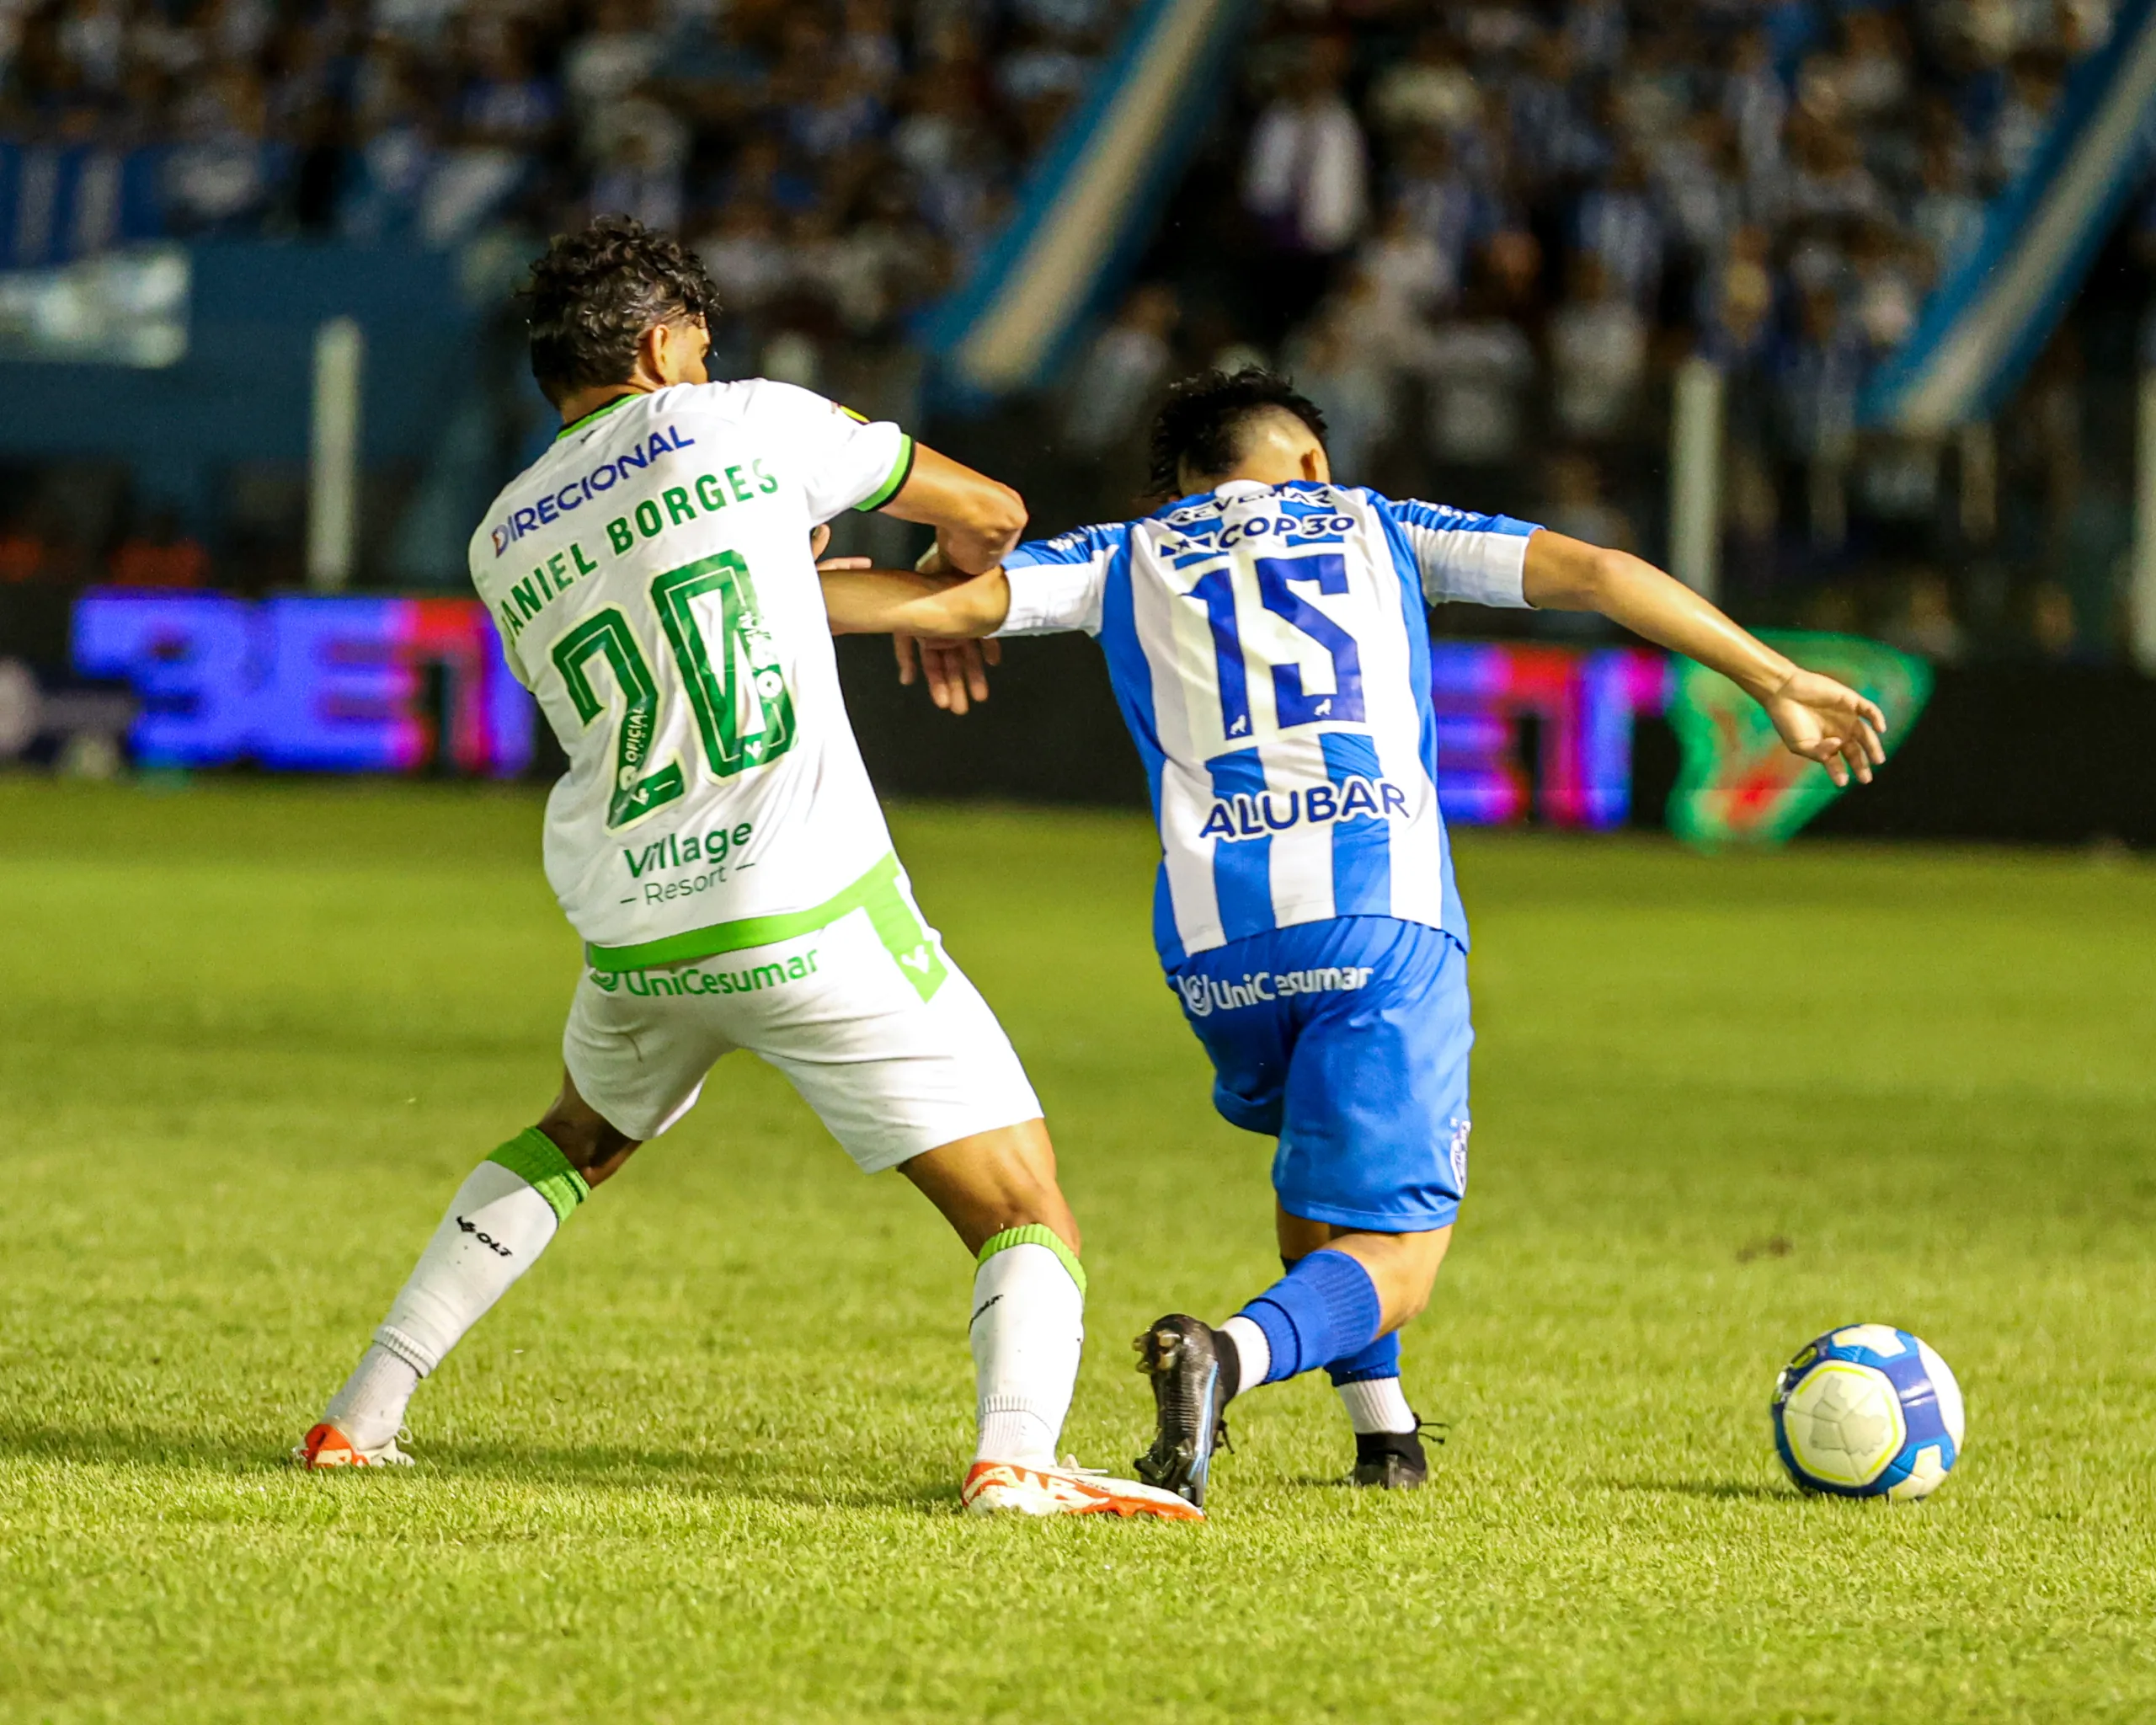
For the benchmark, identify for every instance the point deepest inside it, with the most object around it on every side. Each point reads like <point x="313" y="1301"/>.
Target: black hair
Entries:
<point x="594" y="293"/>
<point x="1204" y="422"/>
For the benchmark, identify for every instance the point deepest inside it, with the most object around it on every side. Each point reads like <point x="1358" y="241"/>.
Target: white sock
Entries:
<point x="502" y="1218"/>
<point x="1377" y="1405"/>
<point x="1253" y="1352"/>
<point x="496" y="1227"/>
<point x="371" y="1406"/>
<point x="1029" y="1328"/>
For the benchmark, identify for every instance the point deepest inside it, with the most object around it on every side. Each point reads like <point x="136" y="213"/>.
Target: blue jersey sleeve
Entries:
<point x="1480" y="559"/>
<point x="1059" y="583"/>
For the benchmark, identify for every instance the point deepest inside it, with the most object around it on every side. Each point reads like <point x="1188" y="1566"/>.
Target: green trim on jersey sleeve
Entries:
<point x="901" y="471"/>
<point x="535" y="1159"/>
<point x="1035" y="1234"/>
<point x="597" y="413"/>
<point x="891" y="913"/>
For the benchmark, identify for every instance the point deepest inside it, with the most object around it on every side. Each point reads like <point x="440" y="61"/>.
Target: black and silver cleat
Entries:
<point x="1182" y="1356"/>
<point x="1395" y="1462"/>
<point x="1390" y="1461"/>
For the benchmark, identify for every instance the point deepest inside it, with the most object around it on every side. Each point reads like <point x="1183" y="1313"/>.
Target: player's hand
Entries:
<point x="1824" y="721"/>
<point x="819" y="537"/>
<point x="955" y="671"/>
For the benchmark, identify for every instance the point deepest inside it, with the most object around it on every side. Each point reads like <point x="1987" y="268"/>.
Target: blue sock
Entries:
<point x="1381" y="1360"/>
<point x="1323" y="1309"/>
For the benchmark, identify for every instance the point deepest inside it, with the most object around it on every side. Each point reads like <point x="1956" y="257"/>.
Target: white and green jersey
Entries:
<point x="651" y="579"/>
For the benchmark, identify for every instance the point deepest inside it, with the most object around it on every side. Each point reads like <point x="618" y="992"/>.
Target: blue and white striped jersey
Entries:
<point x="1271" y="655"/>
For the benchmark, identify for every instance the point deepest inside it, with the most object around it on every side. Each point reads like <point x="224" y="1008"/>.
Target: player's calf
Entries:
<point x="989" y="1182"/>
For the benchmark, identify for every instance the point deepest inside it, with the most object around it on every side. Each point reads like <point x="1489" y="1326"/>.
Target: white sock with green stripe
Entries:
<point x="500" y="1220"/>
<point x="1028" y="1330"/>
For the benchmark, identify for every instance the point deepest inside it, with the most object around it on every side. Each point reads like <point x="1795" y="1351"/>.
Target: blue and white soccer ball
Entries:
<point x="1868" y="1412"/>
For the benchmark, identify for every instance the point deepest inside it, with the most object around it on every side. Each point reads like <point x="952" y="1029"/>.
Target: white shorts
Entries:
<point x="895" y="1050"/>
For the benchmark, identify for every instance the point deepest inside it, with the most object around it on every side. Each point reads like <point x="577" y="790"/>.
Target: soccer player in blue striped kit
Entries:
<point x="1266" y="638"/>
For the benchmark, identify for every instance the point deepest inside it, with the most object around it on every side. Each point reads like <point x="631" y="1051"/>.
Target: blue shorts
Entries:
<point x="1348" y="1040"/>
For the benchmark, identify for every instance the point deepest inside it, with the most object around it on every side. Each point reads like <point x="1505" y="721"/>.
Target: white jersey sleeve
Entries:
<point x="841" y="460"/>
<point x="1060" y="583"/>
<point x="1480" y="559"/>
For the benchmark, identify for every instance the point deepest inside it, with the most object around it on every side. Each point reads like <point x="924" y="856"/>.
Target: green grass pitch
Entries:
<point x="703" y="1463"/>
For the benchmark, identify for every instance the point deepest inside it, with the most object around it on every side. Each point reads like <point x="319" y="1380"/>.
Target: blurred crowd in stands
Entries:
<point x="838" y="162"/>
<point x="1482" y="235"/>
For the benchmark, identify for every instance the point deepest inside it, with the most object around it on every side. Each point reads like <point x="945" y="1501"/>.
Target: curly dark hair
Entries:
<point x="1202" y="425"/>
<point x="594" y="293"/>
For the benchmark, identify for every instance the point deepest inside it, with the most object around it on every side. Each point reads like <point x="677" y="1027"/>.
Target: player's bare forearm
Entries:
<point x="977" y="520"/>
<point x="1570" y="574"/>
<point x="899" y="602"/>
<point x="1817" y="717"/>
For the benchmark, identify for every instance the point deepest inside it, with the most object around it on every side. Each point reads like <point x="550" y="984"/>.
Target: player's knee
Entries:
<point x="592" y="1148"/>
<point x="592" y="1145"/>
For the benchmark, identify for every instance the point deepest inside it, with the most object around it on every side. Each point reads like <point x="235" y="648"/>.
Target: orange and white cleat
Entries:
<point x="325" y="1446"/>
<point x="1009" y="1488"/>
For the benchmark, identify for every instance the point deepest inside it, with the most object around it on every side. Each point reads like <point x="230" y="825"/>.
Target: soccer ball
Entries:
<point x="1868" y="1412"/>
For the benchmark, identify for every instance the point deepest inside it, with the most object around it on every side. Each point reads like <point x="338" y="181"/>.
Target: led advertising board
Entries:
<point x="1524" y="732"/>
<point x="345" y="683"/>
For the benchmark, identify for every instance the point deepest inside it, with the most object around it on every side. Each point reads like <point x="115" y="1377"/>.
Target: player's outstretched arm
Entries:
<point x="913" y="609"/>
<point x="901" y="602"/>
<point x="977" y="520"/>
<point x="1817" y="717"/>
<point x="956" y="669"/>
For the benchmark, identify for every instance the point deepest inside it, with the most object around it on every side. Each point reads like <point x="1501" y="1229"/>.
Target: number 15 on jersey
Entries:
<point x="1230" y="617"/>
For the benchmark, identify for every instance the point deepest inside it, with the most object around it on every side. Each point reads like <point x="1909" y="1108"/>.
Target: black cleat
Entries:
<point x="1182" y="1357"/>
<point x="1391" y="1461"/>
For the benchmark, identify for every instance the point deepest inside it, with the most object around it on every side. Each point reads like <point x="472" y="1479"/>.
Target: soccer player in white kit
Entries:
<point x="717" y="846"/>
